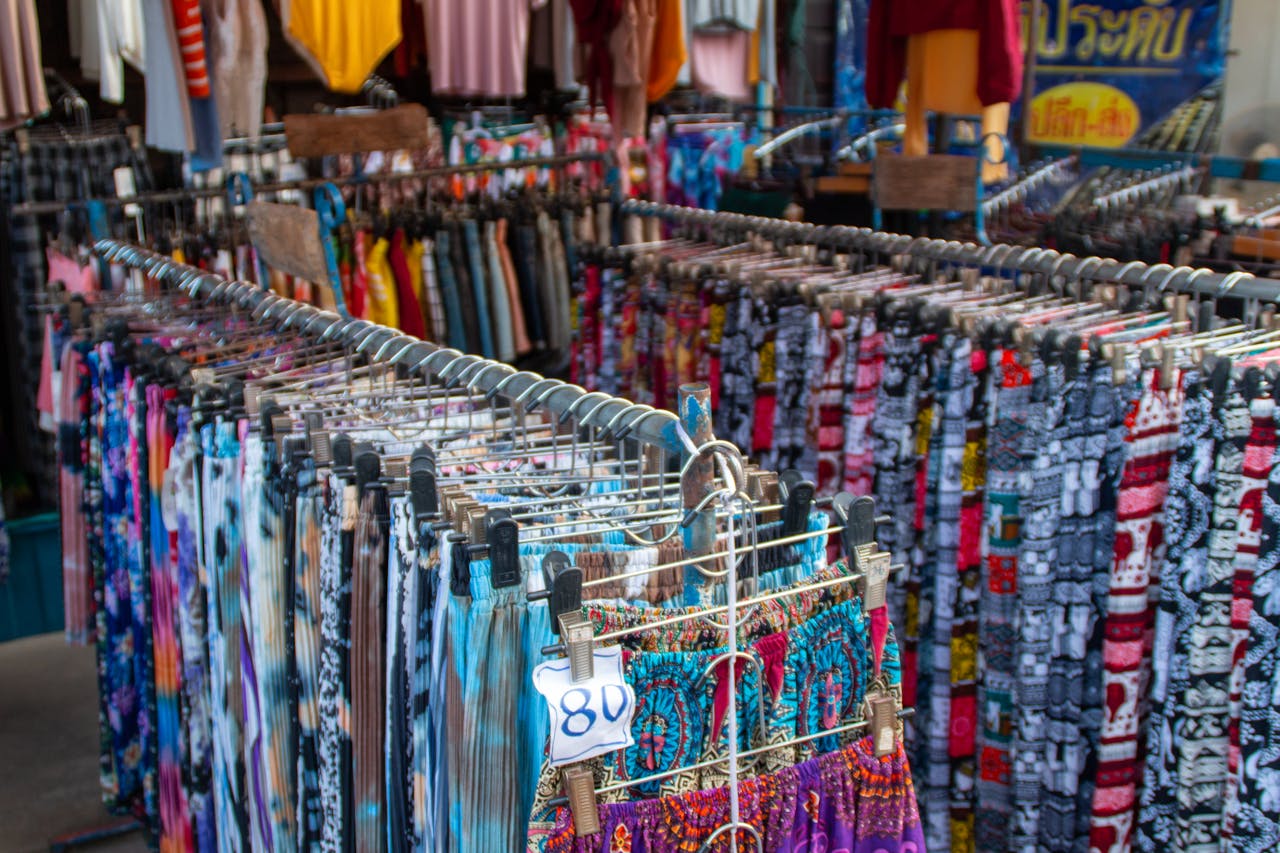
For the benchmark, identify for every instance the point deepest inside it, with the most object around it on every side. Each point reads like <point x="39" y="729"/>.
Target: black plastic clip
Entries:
<point x="797" y="495"/>
<point x="563" y="591"/>
<point x="422" y="484"/>
<point x="367" y="465"/>
<point x="292" y="447"/>
<point x="1204" y="318"/>
<point x="503" y="535"/>
<point x="342" y="454"/>
<point x="858" y="516"/>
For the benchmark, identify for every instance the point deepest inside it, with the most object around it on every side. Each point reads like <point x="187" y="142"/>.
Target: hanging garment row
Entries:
<point x="322" y="568"/>
<point x="58" y="166"/>
<point x="476" y="256"/>
<point x="1080" y="479"/>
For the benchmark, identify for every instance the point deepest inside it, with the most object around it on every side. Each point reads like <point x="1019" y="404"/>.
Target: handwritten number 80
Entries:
<point x="583" y="709"/>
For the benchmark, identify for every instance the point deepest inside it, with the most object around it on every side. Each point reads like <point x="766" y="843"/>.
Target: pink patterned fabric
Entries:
<point x="1130" y="622"/>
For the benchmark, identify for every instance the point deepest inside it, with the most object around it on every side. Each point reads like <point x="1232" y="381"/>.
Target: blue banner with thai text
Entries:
<point x="1109" y="71"/>
<point x="1105" y="71"/>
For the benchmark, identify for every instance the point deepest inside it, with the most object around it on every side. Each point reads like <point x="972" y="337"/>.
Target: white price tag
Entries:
<point x="126" y="189"/>
<point x="591" y="717"/>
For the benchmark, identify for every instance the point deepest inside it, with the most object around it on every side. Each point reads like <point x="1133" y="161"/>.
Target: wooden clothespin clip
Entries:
<point x="473" y="527"/>
<point x="276" y="425"/>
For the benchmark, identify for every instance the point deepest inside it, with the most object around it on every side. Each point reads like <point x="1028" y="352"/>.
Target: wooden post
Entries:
<point x="700" y="536"/>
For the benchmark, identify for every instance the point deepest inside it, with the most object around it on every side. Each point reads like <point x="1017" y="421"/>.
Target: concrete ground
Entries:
<point x="49" y="748"/>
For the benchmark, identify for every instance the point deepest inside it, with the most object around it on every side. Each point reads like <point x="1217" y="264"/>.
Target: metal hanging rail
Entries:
<point x="1219" y="166"/>
<point x="385" y="345"/>
<point x="1162" y="277"/>
<point x="43" y="207"/>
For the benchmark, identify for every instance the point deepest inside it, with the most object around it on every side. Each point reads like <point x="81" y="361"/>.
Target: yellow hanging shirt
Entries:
<point x="382" y="305"/>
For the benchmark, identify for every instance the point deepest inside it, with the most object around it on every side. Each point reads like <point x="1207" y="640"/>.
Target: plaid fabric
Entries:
<point x="51" y="170"/>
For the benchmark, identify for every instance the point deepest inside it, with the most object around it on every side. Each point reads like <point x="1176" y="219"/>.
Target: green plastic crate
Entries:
<point x="31" y="599"/>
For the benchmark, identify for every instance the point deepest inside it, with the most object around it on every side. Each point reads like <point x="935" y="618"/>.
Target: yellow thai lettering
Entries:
<point x="1153" y="32"/>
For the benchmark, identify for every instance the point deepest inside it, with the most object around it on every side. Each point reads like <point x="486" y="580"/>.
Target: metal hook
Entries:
<point x="709" y="844"/>
<point x="493" y="365"/>
<point x="571" y="410"/>
<point x="415" y="346"/>
<point x="545" y="394"/>
<point x="1173" y="271"/>
<point x="643" y="411"/>
<point x="587" y="419"/>
<point x="1189" y="284"/>
<point x="1081" y="275"/>
<point x="720" y="446"/>
<point x="751" y="663"/>
<point x="469" y="373"/>
<point x="404" y="340"/>
<point x="264" y="308"/>
<point x="502" y="383"/>
<point x="1228" y="282"/>
<point x="292" y="311"/>
<point x="535" y="388"/>
<point x="432" y="370"/>
<point x="1119" y="275"/>
<point x="321" y="317"/>
<point x="336" y="330"/>
<point x="374" y="334"/>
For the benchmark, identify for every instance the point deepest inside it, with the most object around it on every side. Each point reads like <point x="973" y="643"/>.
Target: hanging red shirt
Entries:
<point x="891" y="22"/>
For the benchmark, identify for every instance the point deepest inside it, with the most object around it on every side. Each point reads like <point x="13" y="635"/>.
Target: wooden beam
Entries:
<point x="405" y="126"/>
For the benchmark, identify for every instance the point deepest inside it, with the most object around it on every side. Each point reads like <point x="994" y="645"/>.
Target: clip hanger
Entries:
<point x="368" y="467"/>
<point x="422" y="484"/>
<point x="563" y="582"/>
<point x="858" y="515"/>
<point x="503" y="537"/>
<point x="797" y="496"/>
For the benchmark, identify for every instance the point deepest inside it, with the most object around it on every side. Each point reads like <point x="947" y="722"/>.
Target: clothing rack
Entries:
<point x="688" y="435"/>
<point x="1238" y="168"/>
<point x="385" y="345"/>
<point x="1038" y="176"/>
<point x="1148" y="188"/>
<point x="1003" y="256"/>
<point x="163" y="196"/>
